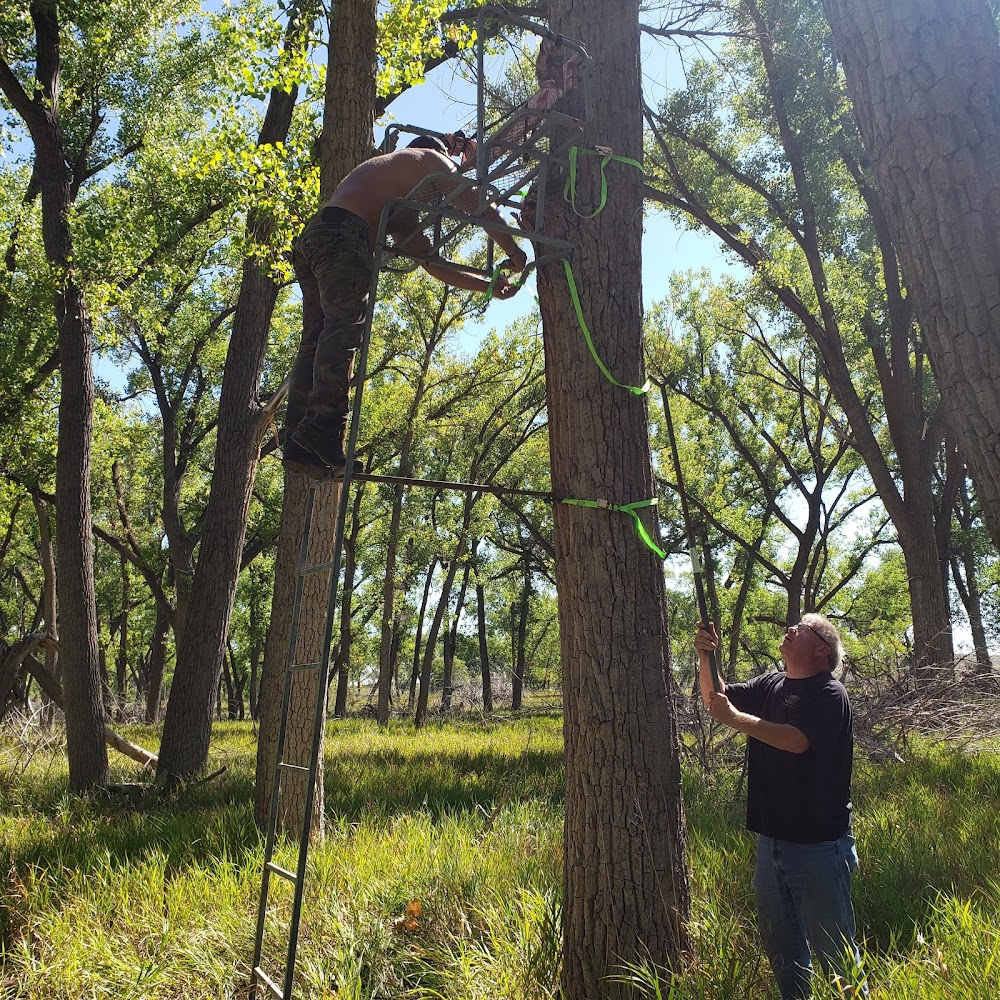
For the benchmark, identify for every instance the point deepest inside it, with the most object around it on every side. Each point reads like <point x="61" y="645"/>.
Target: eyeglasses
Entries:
<point x="816" y="632"/>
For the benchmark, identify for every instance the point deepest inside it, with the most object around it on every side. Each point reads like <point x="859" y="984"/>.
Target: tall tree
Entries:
<point x="243" y="421"/>
<point x="924" y="80"/>
<point x="345" y="141"/>
<point x="626" y="889"/>
<point x="59" y="172"/>
<point x="817" y="242"/>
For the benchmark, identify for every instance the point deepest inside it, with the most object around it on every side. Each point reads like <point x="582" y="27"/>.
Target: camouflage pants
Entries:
<point x="333" y="264"/>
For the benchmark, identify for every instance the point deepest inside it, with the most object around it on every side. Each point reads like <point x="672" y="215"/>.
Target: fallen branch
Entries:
<point x="48" y="682"/>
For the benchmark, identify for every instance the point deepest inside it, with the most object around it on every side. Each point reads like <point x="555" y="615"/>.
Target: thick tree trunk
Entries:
<point x="346" y="140"/>
<point x="626" y="890"/>
<point x="309" y="649"/>
<point x="932" y="635"/>
<point x="924" y="78"/>
<point x="201" y="644"/>
<point x="88" y="759"/>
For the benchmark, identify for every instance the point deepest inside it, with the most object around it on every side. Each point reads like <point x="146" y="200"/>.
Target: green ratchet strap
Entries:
<point x="575" y="296"/>
<point x="625" y="508"/>
<point x="493" y="281"/>
<point x="516" y="285"/>
<point x="569" y="190"/>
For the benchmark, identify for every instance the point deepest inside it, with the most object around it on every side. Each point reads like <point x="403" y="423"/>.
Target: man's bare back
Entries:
<point x="369" y="186"/>
<point x="367" y="189"/>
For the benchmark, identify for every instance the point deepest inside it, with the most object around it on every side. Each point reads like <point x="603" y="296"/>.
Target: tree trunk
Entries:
<point x="309" y="649"/>
<point x="520" y="640"/>
<point x="121" y="663"/>
<point x="932" y="636"/>
<point x="451" y="642"/>
<point x="343" y="666"/>
<point x="346" y="140"/>
<point x="389" y="609"/>
<point x="187" y="726"/>
<point x="157" y="663"/>
<point x="626" y="890"/>
<point x="255" y="651"/>
<point x="924" y="79"/>
<point x="418" y="637"/>
<point x="484" y="650"/>
<point x="88" y="759"/>
<point x="968" y="588"/>
<point x="47" y="558"/>
<point x="420" y="717"/>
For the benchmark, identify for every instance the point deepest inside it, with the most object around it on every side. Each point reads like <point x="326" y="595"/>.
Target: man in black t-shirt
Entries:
<point x="800" y="752"/>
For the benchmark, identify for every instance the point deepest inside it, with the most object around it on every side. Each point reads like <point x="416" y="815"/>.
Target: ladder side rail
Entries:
<point x="286" y="697"/>
<point x="319" y="719"/>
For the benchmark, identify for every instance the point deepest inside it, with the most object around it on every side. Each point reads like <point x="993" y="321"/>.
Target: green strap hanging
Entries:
<point x="493" y="281"/>
<point x="578" y="307"/>
<point x="569" y="189"/>
<point x="626" y="508"/>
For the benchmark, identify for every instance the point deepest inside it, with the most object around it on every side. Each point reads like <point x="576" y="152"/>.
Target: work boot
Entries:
<point x="326" y="445"/>
<point x="295" y="458"/>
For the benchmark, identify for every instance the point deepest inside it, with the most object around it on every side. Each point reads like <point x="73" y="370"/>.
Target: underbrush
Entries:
<point x="440" y="875"/>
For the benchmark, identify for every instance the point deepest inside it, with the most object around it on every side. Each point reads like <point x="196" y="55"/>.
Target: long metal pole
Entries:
<point x="699" y="585"/>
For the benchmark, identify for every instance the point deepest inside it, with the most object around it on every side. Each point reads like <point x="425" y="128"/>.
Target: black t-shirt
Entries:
<point x="802" y="797"/>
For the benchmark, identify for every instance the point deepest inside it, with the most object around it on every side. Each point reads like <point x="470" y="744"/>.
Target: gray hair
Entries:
<point x="831" y="637"/>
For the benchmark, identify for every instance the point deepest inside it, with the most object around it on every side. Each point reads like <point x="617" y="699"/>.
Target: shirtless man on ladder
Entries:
<point x="334" y="261"/>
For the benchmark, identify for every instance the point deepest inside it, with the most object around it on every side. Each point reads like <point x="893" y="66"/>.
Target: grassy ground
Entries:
<point x="102" y="899"/>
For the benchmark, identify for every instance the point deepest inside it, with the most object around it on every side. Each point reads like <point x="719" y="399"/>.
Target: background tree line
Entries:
<point x="161" y="158"/>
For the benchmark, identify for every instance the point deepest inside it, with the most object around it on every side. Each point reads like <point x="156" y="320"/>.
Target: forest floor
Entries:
<point x="102" y="897"/>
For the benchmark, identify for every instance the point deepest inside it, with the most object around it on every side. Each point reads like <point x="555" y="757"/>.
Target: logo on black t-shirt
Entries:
<point x="790" y="700"/>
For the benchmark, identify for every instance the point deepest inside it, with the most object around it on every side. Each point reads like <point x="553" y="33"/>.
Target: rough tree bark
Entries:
<point x="346" y="140"/>
<point x="626" y="891"/>
<point x="924" y="79"/>
<point x="84" y="709"/>
<point x="187" y="725"/>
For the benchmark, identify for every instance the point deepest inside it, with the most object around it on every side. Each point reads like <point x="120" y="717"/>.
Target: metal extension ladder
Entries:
<point x="505" y="166"/>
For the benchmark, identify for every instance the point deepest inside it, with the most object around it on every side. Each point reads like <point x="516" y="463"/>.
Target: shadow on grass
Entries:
<point x="390" y="775"/>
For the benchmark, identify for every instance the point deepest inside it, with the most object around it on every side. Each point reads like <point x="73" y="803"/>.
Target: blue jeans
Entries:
<point x="804" y="899"/>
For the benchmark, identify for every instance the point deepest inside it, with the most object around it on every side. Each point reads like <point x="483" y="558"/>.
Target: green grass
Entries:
<point x="100" y="898"/>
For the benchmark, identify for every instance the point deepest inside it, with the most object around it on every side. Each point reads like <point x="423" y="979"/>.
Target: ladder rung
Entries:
<point x="268" y="982"/>
<point x="293" y="767"/>
<point x="306" y="666"/>
<point x="318" y="568"/>
<point x="283" y="872"/>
